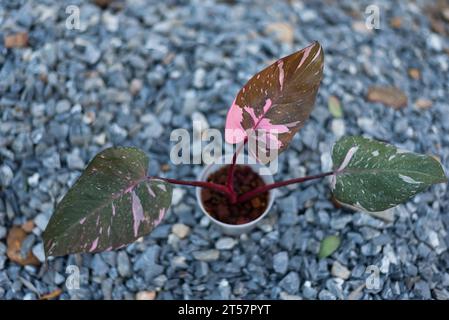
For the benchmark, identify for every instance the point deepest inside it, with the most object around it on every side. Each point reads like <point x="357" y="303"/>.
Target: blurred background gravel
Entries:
<point x="138" y="69"/>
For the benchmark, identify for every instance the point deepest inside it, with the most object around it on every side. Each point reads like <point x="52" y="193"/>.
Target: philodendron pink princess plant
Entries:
<point x="115" y="202"/>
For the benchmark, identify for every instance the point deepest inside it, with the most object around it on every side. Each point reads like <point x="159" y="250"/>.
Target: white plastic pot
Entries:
<point x="236" y="229"/>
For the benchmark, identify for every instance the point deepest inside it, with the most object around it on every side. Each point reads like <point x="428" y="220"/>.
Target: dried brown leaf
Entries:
<point x="283" y="31"/>
<point x="389" y="96"/>
<point x="414" y="73"/>
<point x="14" y="242"/>
<point x="52" y="295"/>
<point x="423" y="104"/>
<point x="17" y="40"/>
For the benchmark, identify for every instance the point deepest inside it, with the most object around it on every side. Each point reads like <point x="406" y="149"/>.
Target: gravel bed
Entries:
<point x="139" y="69"/>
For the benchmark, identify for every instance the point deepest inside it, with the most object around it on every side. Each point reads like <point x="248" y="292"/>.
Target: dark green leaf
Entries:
<point x="328" y="246"/>
<point x="375" y="176"/>
<point x="111" y="205"/>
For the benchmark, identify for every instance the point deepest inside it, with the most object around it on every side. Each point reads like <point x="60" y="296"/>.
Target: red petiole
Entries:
<point x="248" y="195"/>
<point x="202" y="184"/>
<point x="228" y="189"/>
<point x="251" y="194"/>
<point x="230" y="178"/>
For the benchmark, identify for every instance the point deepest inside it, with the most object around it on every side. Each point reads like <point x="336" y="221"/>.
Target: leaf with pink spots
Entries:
<point x="111" y="205"/>
<point x="274" y="104"/>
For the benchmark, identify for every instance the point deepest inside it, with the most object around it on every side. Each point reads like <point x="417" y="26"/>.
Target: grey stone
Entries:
<point x="280" y="262"/>
<point x="370" y="249"/>
<point x="123" y="80"/>
<point x="206" y="255"/>
<point x="30" y="296"/>
<point x="422" y="290"/>
<point x="179" y="262"/>
<point x="148" y="258"/>
<point x="38" y="251"/>
<point x="33" y="180"/>
<point x="152" y="272"/>
<point x="181" y="230"/>
<point x="123" y="264"/>
<point x="74" y="161"/>
<point x="326" y="295"/>
<point x="338" y="128"/>
<point x="106" y="289"/>
<point x="340" y="271"/>
<point x="110" y="21"/>
<point x="442" y="294"/>
<point x="434" y="42"/>
<point x="99" y="267"/>
<point x="41" y="221"/>
<point x="308" y="15"/>
<point x="63" y="106"/>
<point x="306" y="195"/>
<point x="161" y="232"/>
<point x="2" y="262"/>
<point x="3" y="232"/>
<point x="201" y="269"/>
<point x="27" y="244"/>
<point x="287" y="239"/>
<point x="363" y="219"/>
<point x="159" y="281"/>
<point x="290" y="283"/>
<point x="153" y="128"/>
<point x="224" y="289"/>
<point x="225" y="243"/>
<point x="178" y="195"/>
<point x="335" y="287"/>
<point x="91" y="54"/>
<point x="38" y="110"/>
<point x="369" y="233"/>
<point x="340" y="222"/>
<point x="190" y="102"/>
<point x="308" y="292"/>
<point x="382" y="240"/>
<point x="6" y="175"/>
<point x="309" y="137"/>
<point x="285" y="296"/>
<point x="52" y="162"/>
<point x="323" y="218"/>
<point x="199" y="78"/>
<point x="59" y="279"/>
<point x="119" y="134"/>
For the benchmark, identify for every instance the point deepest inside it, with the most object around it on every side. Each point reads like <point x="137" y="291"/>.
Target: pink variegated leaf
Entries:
<point x="111" y="205"/>
<point x="277" y="100"/>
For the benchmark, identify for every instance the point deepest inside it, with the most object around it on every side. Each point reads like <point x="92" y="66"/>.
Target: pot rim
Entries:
<point x="209" y="169"/>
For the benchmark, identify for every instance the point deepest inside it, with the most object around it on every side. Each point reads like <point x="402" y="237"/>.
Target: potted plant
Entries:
<point x="114" y="202"/>
<point x="236" y="217"/>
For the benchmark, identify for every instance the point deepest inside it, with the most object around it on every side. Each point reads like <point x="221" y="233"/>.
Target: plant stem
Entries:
<point x="230" y="177"/>
<point x="251" y="194"/>
<point x="232" y="196"/>
<point x="203" y="184"/>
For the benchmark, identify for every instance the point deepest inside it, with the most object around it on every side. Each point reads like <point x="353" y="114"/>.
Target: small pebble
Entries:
<point x="180" y="230"/>
<point x="206" y="255"/>
<point x="226" y="243"/>
<point x="340" y="271"/>
<point x="146" y="295"/>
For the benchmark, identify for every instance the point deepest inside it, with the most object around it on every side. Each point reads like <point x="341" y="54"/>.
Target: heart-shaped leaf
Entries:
<point x="111" y="205"/>
<point x="374" y="176"/>
<point x="278" y="100"/>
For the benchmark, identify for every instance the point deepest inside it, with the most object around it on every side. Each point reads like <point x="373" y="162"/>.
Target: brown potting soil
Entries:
<point x="218" y="204"/>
